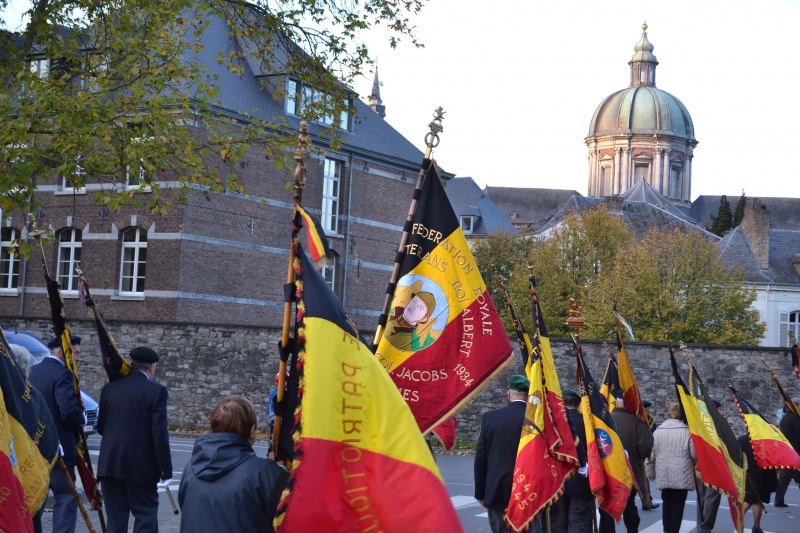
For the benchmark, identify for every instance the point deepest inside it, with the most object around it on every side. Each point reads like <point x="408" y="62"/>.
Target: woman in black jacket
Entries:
<point x="225" y="487"/>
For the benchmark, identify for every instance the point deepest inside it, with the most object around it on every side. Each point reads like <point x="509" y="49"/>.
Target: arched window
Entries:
<point x="790" y="322"/>
<point x="9" y="260"/>
<point x="134" y="259"/>
<point x="69" y="254"/>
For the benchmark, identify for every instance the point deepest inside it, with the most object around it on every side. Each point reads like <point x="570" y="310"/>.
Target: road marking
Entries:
<point x="462" y="502"/>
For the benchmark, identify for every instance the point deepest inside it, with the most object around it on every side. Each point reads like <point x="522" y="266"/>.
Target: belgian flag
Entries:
<point x="720" y="461"/>
<point x="771" y="449"/>
<point x="315" y="235"/>
<point x="610" y="475"/>
<point x="610" y="386"/>
<point x="627" y="381"/>
<point x="442" y="336"/>
<point x="360" y="461"/>
<point x="84" y="461"/>
<point x="547" y="454"/>
<point x="28" y="446"/>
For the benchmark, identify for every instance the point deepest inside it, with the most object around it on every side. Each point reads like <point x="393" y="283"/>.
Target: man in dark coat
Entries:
<point x="575" y="514"/>
<point x="497" y="452"/>
<point x="225" y="487"/>
<point x="134" y="451"/>
<point x="637" y="440"/>
<point x="53" y="379"/>
<point x="790" y="427"/>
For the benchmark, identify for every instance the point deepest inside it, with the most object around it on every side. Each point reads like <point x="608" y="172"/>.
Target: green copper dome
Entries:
<point x="642" y="108"/>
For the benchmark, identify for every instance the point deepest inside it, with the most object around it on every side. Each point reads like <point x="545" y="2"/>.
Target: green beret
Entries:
<point x="570" y="392"/>
<point x="519" y="383"/>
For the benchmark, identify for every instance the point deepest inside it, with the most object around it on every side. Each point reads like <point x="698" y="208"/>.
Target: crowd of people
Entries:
<point x="666" y="451"/>
<point x="223" y="473"/>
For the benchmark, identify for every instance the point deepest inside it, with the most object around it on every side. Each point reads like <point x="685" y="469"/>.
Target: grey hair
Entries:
<point x="23" y="357"/>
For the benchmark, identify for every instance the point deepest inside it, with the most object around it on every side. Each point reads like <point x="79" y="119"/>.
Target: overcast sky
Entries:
<point x="519" y="81"/>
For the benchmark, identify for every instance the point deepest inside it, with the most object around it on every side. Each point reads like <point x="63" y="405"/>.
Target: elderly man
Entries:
<point x="53" y="379"/>
<point x="134" y="452"/>
<point x="497" y="452"/>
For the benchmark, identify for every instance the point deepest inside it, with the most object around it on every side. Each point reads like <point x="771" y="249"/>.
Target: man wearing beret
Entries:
<point x="53" y="379"/>
<point x="497" y="452"/>
<point x="134" y="451"/>
<point x="576" y="505"/>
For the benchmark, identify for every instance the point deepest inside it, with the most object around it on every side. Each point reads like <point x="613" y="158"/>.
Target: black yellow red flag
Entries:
<point x="315" y="235"/>
<point x="114" y="363"/>
<point x="442" y="336"/>
<point x="718" y="468"/>
<point x="84" y="462"/>
<point x="360" y="461"/>
<point x="28" y="446"/>
<point x="610" y="477"/>
<point x="627" y="381"/>
<point x="771" y="449"/>
<point x="610" y="387"/>
<point x="547" y="454"/>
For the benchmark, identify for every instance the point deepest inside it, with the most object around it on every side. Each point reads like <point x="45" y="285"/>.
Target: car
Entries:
<point x="39" y="351"/>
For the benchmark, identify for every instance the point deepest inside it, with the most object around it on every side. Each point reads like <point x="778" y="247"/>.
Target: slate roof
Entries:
<point x="531" y="205"/>
<point x="784" y="212"/>
<point x="371" y="136"/>
<point x="784" y="245"/>
<point x="468" y="199"/>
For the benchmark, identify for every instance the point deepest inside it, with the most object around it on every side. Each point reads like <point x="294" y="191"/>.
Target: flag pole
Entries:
<point x="300" y="173"/>
<point x="786" y="399"/>
<point x="37" y="237"/>
<point x="431" y="142"/>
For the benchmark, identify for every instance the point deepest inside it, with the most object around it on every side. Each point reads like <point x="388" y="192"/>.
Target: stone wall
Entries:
<point x="202" y="364"/>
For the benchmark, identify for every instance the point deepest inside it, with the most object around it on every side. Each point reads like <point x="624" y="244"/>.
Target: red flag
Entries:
<point x="771" y="449"/>
<point x="446" y="432"/>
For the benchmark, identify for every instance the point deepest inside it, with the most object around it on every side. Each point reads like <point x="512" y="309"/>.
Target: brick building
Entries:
<point x="222" y="258"/>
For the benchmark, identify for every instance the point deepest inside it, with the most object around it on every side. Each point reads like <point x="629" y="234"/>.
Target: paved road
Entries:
<point x="457" y="473"/>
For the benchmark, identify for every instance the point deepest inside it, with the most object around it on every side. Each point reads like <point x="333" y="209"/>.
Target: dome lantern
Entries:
<point x="643" y="63"/>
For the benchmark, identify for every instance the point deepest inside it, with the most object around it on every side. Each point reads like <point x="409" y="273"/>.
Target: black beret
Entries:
<point x="143" y="353"/>
<point x="55" y="342"/>
<point x="647" y="403"/>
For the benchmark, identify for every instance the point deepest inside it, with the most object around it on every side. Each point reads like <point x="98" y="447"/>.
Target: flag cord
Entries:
<point x="431" y="142"/>
<point x="300" y="173"/>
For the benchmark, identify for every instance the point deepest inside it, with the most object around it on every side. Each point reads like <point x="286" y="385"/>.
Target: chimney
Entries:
<point x="755" y="225"/>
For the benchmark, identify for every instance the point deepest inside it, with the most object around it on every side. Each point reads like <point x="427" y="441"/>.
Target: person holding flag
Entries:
<point x="53" y="379"/>
<point x="576" y="505"/>
<point x="495" y="456"/>
<point x="790" y="427"/>
<point x="637" y="440"/>
<point x="761" y="483"/>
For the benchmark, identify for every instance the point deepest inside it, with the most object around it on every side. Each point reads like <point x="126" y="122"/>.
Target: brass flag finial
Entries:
<point x="432" y="137"/>
<point x="575" y="321"/>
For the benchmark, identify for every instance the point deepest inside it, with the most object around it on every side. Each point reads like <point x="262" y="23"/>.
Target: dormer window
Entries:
<point x="467" y="224"/>
<point x="40" y="67"/>
<point x="299" y="95"/>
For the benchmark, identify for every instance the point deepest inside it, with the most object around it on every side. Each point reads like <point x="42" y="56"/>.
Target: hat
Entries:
<point x="647" y="403"/>
<point x="519" y="383"/>
<point x="570" y="392"/>
<point x="55" y="342"/>
<point x="143" y="353"/>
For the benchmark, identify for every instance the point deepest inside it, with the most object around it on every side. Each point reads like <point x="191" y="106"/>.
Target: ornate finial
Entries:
<point x="575" y="321"/>
<point x="432" y="137"/>
<point x="299" y="155"/>
<point x="34" y="231"/>
<point x="644" y="26"/>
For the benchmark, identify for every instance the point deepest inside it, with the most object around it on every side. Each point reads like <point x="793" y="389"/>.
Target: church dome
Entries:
<point x="642" y="110"/>
<point x="641" y="133"/>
